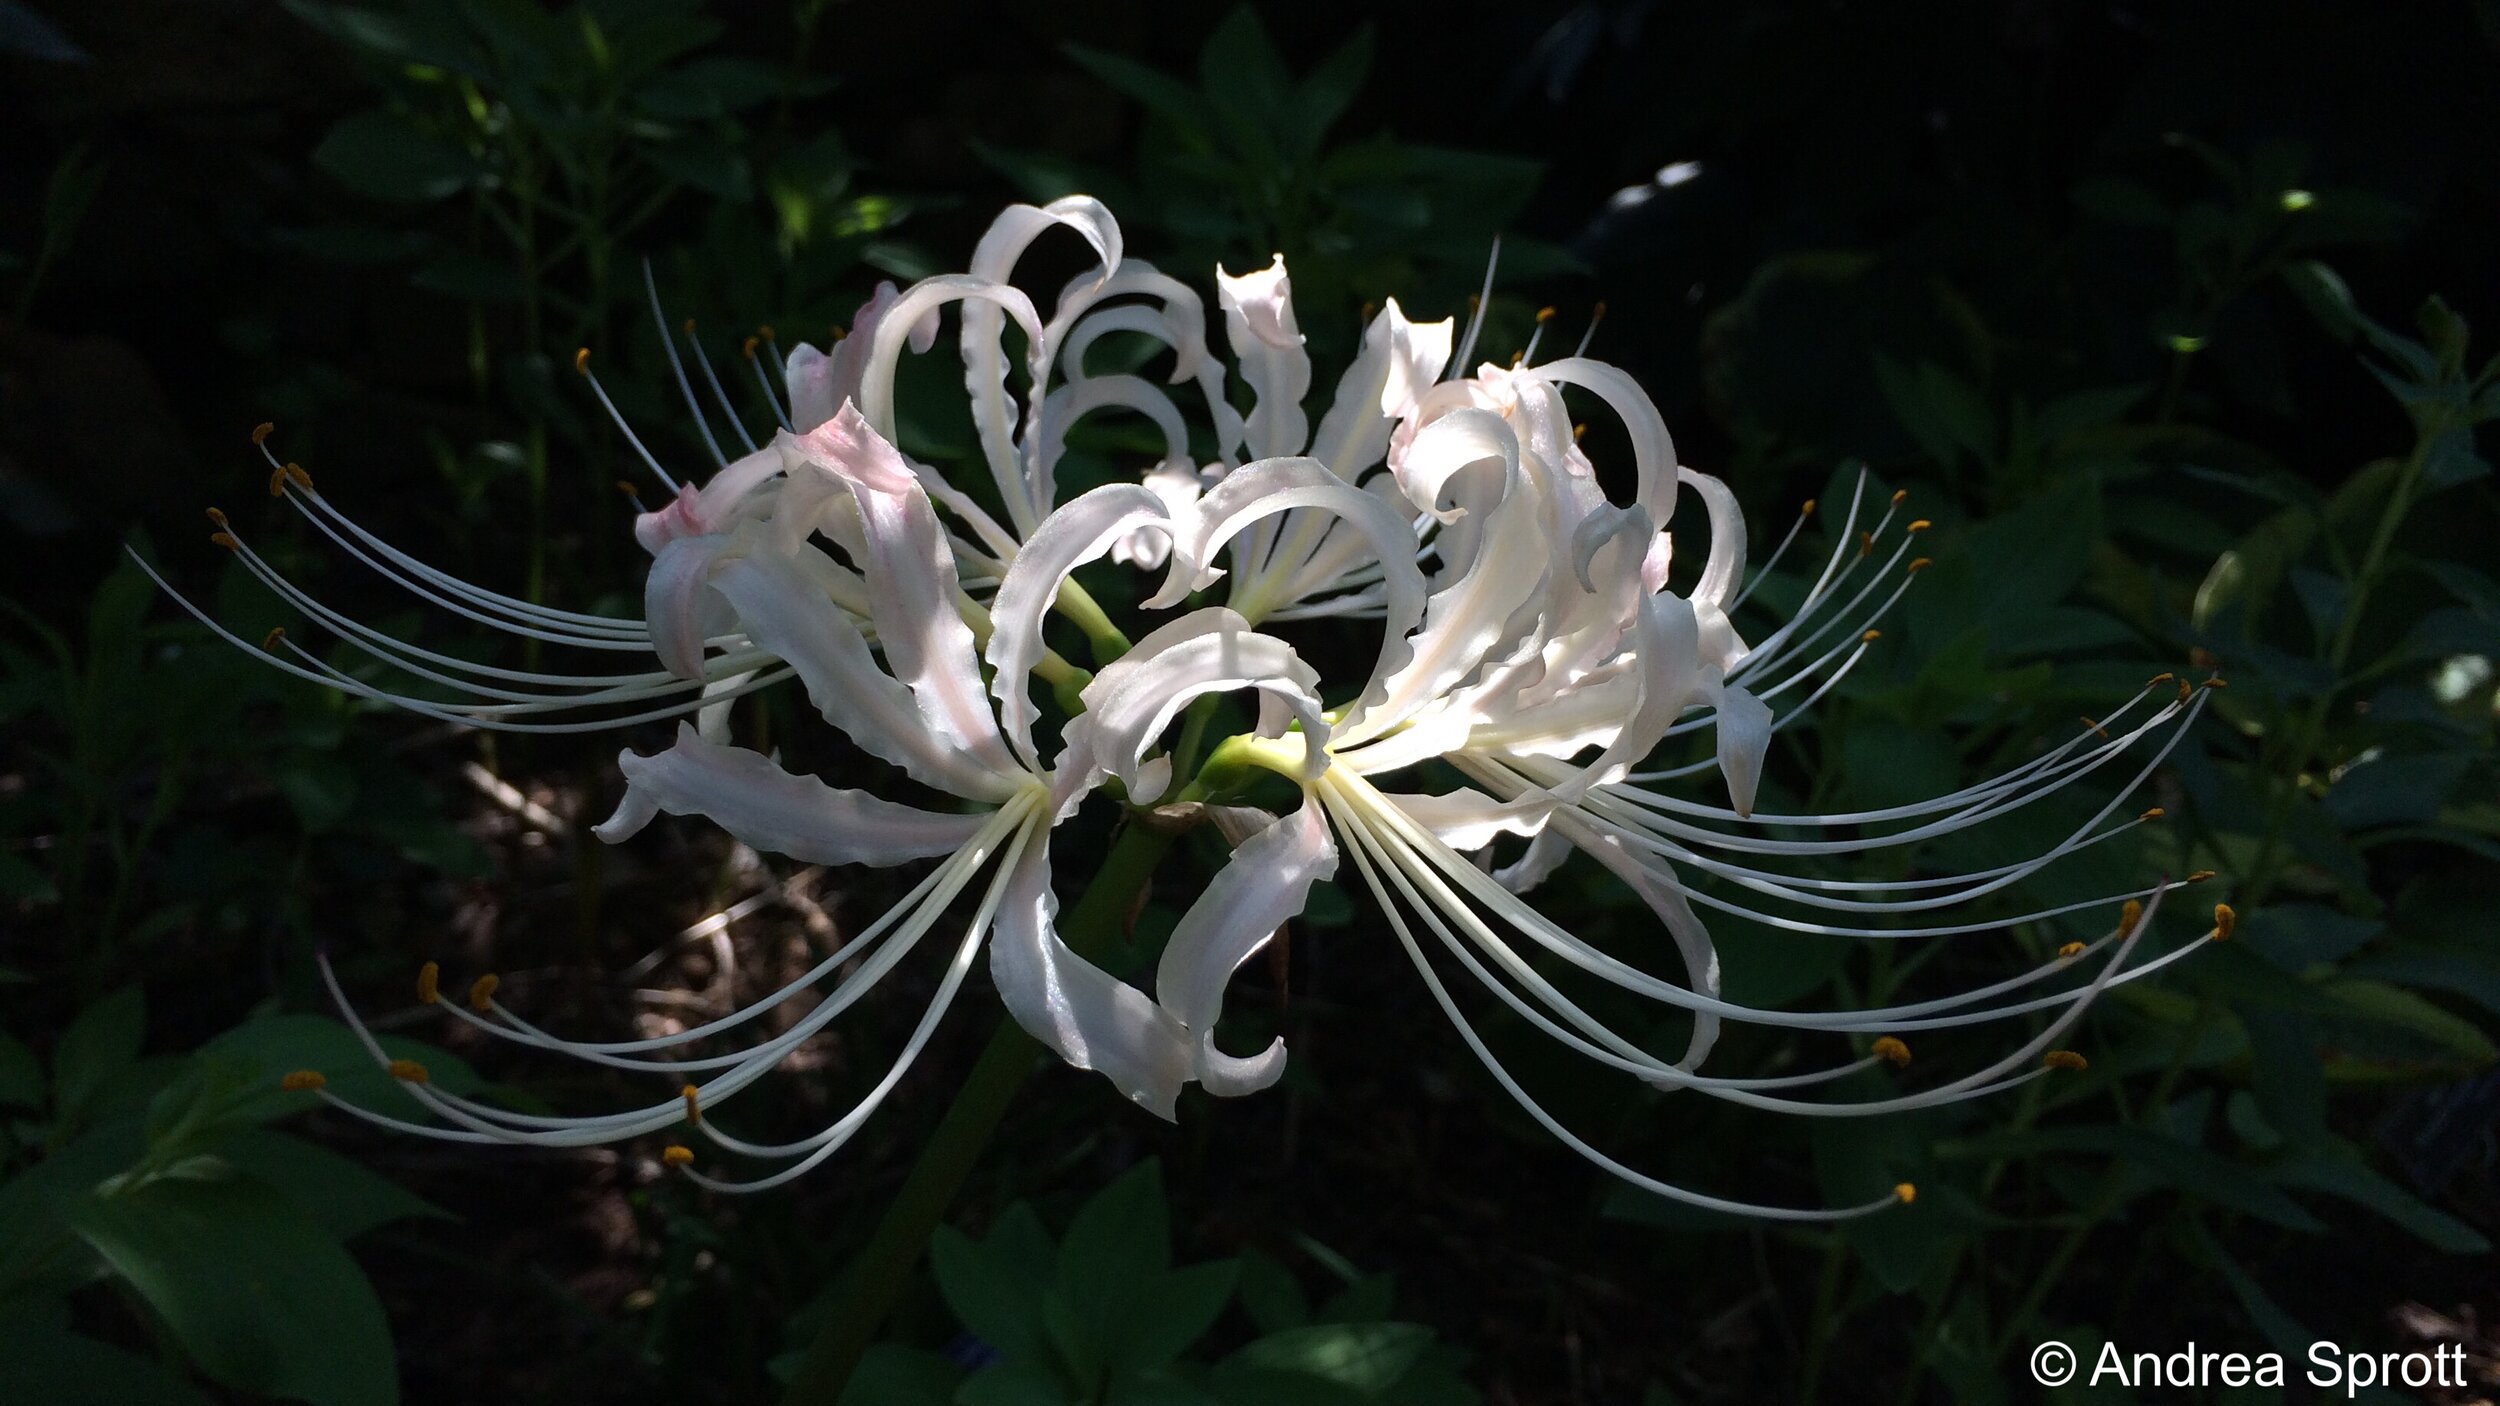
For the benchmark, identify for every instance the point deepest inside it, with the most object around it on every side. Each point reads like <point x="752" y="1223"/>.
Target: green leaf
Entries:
<point x="1013" y="1384"/>
<point x="383" y="154"/>
<point x="100" y="1043"/>
<point x="344" y="1196"/>
<point x="1159" y="91"/>
<point x="48" y="1363"/>
<point x="2342" y="1173"/>
<point x="257" y="1293"/>
<point x="1271" y="1295"/>
<point x="1367" y="1357"/>
<point x="2192" y="1169"/>
<point x="1172" y="1312"/>
<point x="996" y="1286"/>
<point x="21" y="1077"/>
<point x="893" y="1375"/>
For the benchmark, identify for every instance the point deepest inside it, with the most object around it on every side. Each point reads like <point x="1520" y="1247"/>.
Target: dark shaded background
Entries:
<point x="1949" y="150"/>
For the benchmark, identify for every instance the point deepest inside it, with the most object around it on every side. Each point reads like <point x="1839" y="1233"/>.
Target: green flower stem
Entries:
<point x="877" y="1277"/>
<point x="1108" y="643"/>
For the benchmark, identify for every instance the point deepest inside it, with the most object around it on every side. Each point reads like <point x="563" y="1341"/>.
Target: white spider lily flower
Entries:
<point x="1529" y="640"/>
<point x="927" y="710"/>
<point x="1542" y="658"/>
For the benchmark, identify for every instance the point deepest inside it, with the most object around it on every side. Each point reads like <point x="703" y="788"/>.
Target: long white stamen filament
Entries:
<point x="677" y="367"/>
<point x="476" y="1121"/>
<point x="1527" y="1104"/>
<point x="720" y="396"/>
<point x="581" y="363"/>
<point x="1621" y="1054"/>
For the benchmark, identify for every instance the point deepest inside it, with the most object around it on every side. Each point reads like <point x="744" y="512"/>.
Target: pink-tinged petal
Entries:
<point x="1267" y="342"/>
<point x="1080" y="1011"/>
<point x="678" y="603"/>
<point x="810" y="375"/>
<point x="1400" y="360"/>
<point x="788" y="612"/>
<point x="1241" y="909"/>
<point x="771" y="810"/>
<point x="681" y="518"/>
<point x="912" y="590"/>
<point x="1080" y="532"/>
<point x="715" y="507"/>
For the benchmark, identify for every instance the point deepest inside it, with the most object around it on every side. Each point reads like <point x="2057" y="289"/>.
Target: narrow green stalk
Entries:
<point x="1080" y="607"/>
<point x="877" y="1277"/>
<point x="2310" y="734"/>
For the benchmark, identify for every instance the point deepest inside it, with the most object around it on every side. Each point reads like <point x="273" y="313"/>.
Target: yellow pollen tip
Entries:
<point x="688" y="325"/>
<point x="1368" y="308"/>
<point x="1918" y="525"/>
<point x="1906" y="1193"/>
<point x="581" y="360"/>
<point x="2226" y="922"/>
<point x="2155" y="813"/>
<point x="627" y="489"/>
<point x="1597" y="313"/>
<point x="2158" y="680"/>
<point x="2200" y="876"/>
<point x="262" y="431"/>
<point x="217" y="517"/>
<point x="482" y="991"/>
<point x="270" y="641"/>
<point x="2070" y="951"/>
<point x="1870" y="636"/>
<point x="2064" y="1059"/>
<point x="2215" y="682"/>
<point x="295" y="475"/>
<point x="1808" y="509"/>
<point x="2096" y="727"/>
<point x="1898" y="495"/>
<point x="677" y="1155"/>
<point x="1474" y="301"/>
<point x="429" y="978"/>
<point x="1579" y="432"/>
<point x="277" y="482"/>
<point x="303" y="1081"/>
<point x="1544" y="315"/>
<point x="1866" y="543"/>
<point x="694" y="1103"/>
<point x="1919" y="564"/>
<point x="2130" y="915"/>
<point x="765" y="331"/>
<point x="1890" y="1050"/>
<point x="2186" y="692"/>
<point x="838" y="332"/>
<point x="408" y="1071"/>
<point x="749" y="348"/>
<point x="225" y="540"/>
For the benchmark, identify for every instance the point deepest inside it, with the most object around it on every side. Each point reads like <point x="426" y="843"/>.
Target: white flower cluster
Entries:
<point x="1528" y="641"/>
